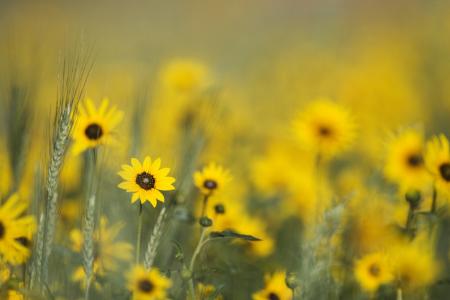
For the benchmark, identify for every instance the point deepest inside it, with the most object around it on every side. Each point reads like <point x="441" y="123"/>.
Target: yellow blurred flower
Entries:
<point x="275" y="288"/>
<point x="15" y="228"/>
<point x="438" y="162"/>
<point x="211" y="178"/>
<point x="414" y="264"/>
<point x="325" y="127"/>
<point x="184" y="76"/>
<point x="15" y="295"/>
<point x="109" y="250"/>
<point x="405" y="163"/>
<point x="95" y="127"/>
<point x="372" y="271"/>
<point x="148" y="285"/>
<point x="205" y="291"/>
<point x="146" y="180"/>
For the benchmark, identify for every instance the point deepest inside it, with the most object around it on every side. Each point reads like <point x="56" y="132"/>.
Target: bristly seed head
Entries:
<point x="145" y="286"/>
<point x="94" y="131"/>
<point x="145" y="181"/>
<point x="210" y="184"/>
<point x="444" y="169"/>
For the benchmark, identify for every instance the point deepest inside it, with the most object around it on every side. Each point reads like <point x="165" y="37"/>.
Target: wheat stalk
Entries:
<point x="153" y="243"/>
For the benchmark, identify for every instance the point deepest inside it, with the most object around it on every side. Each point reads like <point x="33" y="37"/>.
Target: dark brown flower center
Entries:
<point x="415" y="160"/>
<point x="444" y="169"/>
<point x="145" y="286"/>
<point x="324" y="131"/>
<point x="374" y="270"/>
<point x="273" y="296"/>
<point x="94" y="131"/>
<point x="145" y="181"/>
<point x="2" y="230"/>
<point x="210" y="184"/>
<point x="24" y="241"/>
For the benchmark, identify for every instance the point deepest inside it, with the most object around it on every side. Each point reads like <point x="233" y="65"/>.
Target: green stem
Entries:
<point x="201" y="242"/>
<point x="139" y="234"/>
<point x="205" y="204"/>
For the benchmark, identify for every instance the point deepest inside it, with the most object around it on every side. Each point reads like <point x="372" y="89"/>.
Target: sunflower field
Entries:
<point x="215" y="150"/>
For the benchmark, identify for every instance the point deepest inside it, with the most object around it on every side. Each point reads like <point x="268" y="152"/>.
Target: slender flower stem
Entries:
<point x="399" y="294"/>
<point x="205" y="204"/>
<point x="139" y="234"/>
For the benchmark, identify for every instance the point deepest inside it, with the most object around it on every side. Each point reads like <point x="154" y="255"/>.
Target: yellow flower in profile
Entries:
<point x="184" y="76"/>
<point x="438" y="162"/>
<point x="15" y="231"/>
<point x="405" y="163"/>
<point x="94" y="127"/>
<point x="212" y="178"/>
<point x="325" y="127"/>
<point x="146" y="180"/>
<point x="148" y="285"/>
<point x="275" y="288"/>
<point x="372" y="271"/>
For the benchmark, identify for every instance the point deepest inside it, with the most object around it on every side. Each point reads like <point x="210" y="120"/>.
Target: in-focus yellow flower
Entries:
<point x="275" y="288"/>
<point x="372" y="271"/>
<point x="438" y="162"/>
<point x="184" y="76"/>
<point x="325" y="127"/>
<point x="147" y="285"/>
<point x="405" y="164"/>
<point x="15" y="231"/>
<point x="94" y="127"/>
<point x="146" y="180"/>
<point x="211" y="178"/>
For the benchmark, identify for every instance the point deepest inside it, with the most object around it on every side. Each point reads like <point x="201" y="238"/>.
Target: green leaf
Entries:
<point x="234" y="235"/>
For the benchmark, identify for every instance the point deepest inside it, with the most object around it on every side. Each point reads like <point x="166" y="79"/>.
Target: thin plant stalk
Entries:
<point x="139" y="234"/>
<point x="155" y="238"/>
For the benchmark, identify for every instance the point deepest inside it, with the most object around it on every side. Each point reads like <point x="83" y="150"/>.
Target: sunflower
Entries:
<point x="15" y="231"/>
<point x="275" y="288"/>
<point x="94" y="127"/>
<point x="438" y="162"/>
<point x="146" y="180"/>
<point x="325" y="127"/>
<point x="372" y="271"/>
<point x="211" y="179"/>
<point x="405" y="163"/>
<point x="147" y="285"/>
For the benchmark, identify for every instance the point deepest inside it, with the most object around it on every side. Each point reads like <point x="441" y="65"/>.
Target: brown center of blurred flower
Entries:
<point x="145" y="286"/>
<point x="145" y="181"/>
<point x="324" y="131"/>
<point x="2" y="230"/>
<point x="273" y="296"/>
<point x="24" y="241"/>
<point x="210" y="184"/>
<point x="415" y="160"/>
<point x="444" y="169"/>
<point x="374" y="270"/>
<point x="93" y="131"/>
